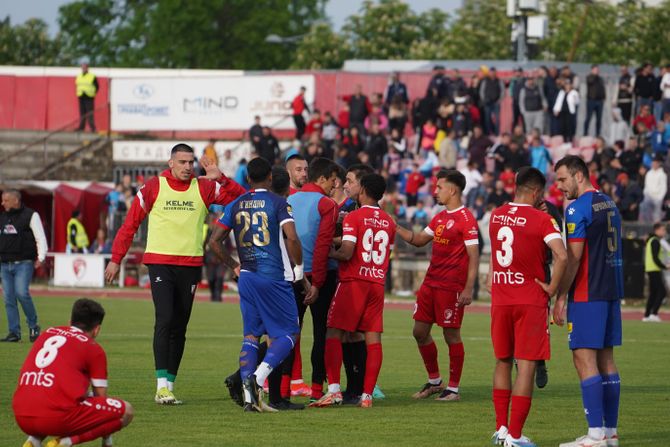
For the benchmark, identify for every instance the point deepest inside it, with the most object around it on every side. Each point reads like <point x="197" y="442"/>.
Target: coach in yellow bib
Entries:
<point x="176" y="204"/>
<point x="87" y="87"/>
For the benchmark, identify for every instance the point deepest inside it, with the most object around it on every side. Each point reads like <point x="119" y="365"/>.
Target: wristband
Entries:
<point x="298" y="272"/>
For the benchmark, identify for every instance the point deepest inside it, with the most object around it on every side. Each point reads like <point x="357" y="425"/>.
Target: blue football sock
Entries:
<point x="279" y="350"/>
<point x="611" y="392"/>
<point x="248" y="357"/>
<point x="592" y="397"/>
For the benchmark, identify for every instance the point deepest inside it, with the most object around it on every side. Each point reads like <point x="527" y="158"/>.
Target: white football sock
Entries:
<point x="453" y="388"/>
<point x="610" y="431"/>
<point x="262" y="373"/>
<point x="435" y="381"/>
<point x="596" y="433"/>
<point x="36" y="442"/>
<point x="170" y="385"/>
<point x="334" y="388"/>
<point x="161" y="382"/>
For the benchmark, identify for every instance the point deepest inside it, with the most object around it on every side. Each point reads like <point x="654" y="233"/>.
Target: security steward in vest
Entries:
<point x="87" y="88"/>
<point x="77" y="239"/>
<point x="176" y="204"/>
<point x="23" y="248"/>
<point x="654" y="266"/>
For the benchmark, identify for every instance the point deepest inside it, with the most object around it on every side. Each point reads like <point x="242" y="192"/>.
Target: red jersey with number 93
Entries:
<point x="373" y="232"/>
<point x="519" y="237"/>
<point x="58" y="371"/>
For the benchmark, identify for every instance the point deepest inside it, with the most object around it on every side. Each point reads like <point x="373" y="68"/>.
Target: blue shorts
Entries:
<point x="594" y="324"/>
<point x="268" y="306"/>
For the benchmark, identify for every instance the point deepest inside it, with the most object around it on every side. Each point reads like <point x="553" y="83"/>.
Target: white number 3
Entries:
<point x="504" y="257"/>
<point x="49" y="351"/>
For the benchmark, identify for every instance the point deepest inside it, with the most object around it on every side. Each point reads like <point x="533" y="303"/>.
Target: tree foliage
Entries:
<point x="27" y="44"/>
<point x="322" y="48"/>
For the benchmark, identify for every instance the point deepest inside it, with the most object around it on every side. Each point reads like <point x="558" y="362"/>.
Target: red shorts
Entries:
<point x="357" y="306"/>
<point x="90" y="413"/>
<point x="520" y="332"/>
<point x="438" y="306"/>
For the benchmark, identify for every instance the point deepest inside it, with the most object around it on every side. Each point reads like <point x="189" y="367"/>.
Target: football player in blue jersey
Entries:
<point x="270" y="259"/>
<point x="593" y="288"/>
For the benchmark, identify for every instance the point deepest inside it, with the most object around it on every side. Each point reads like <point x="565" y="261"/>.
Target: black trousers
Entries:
<point x="319" y="311"/>
<point x="299" y="126"/>
<point x="86" y="106"/>
<point x="172" y="289"/>
<point x="657" y="293"/>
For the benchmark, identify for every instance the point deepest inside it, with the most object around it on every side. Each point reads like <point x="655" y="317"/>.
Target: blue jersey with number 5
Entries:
<point x="256" y="219"/>
<point x="594" y="219"/>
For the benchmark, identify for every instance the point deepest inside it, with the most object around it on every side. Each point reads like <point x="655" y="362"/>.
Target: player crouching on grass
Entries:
<point x="520" y="235"/>
<point x="367" y="240"/>
<point x="51" y="397"/>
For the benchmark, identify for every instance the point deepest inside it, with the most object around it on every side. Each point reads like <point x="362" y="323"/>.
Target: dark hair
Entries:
<point x="360" y="169"/>
<point x="529" y="177"/>
<point x="658" y="225"/>
<point x="181" y="147"/>
<point x="280" y="180"/>
<point x="75" y="214"/>
<point x="86" y="314"/>
<point x="321" y="167"/>
<point x="452" y="176"/>
<point x="573" y="164"/>
<point x="258" y="170"/>
<point x="341" y="174"/>
<point x="374" y="186"/>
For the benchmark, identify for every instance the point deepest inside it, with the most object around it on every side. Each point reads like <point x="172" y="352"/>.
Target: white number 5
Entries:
<point x="504" y="257"/>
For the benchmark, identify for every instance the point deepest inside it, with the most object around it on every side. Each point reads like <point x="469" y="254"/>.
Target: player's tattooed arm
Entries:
<point x="412" y="238"/>
<point x="344" y="253"/>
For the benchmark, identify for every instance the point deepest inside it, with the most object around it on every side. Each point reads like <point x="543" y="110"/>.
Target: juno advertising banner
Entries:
<point x="216" y="103"/>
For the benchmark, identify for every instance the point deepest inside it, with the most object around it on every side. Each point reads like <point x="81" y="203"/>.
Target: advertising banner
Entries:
<point x="78" y="270"/>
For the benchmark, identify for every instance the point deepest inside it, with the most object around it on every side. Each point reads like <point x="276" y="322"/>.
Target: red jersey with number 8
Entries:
<point x="373" y="232"/>
<point x="61" y="366"/>
<point x="519" y="237"/>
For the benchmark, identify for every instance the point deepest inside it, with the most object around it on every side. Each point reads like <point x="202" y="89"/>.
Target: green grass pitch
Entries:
<point x="209" y="418"/>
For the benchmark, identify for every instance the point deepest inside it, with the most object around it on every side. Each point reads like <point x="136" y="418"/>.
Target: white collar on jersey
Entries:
<point x="518" y="204"/>
<point x="370" y="206"/>
<point x="455" y="210"/>
<point x="258" y="190"/>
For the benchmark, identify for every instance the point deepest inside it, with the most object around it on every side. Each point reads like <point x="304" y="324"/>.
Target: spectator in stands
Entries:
<point x="659" y="144"/>
<point x="396" y="89"/>
<point x="480" y="190"/>
<point x="256" y="132"/>
<point x="515" y="85"/>
<point x="478" y="147"/>
<point x="461" y="121"/>
<point x="376" y="116"/>
<point x="644" y="88"/>
<point x="491" y="93"/>
<point x="539" y="155"/>
<point x="519" y="137"/>
<point x="516" y="157"/>
<point x="329" y="133"/>
<point x="427" y="108"/>
<point x="565" y="109"/>
<point x="315" y="124"/>
<point x="241" y="174"/>
<point x="299" y="106"/>
<point x="567" y="73"/>
<point x="551" y="89"/>
<point x="376" y="146"/>
<point x="268" y="146"/>
<point x="227" y="165"/>
<point x="619" y="128"/>
<point x="114" y="200"/>
<point x="631" y="158"/>
<point x="595" y="99"/>
<point x="624" y="95"/>
<point x="420" y="216"/>
<point x="397" y="115"/>
<point x="391" y="166"/>
<point x="499" y="196"/>
<point x="414" y="181"/>
<point x="77" y="239"/>
<point x="128" y="198"/>
<point x="473" y="177"/>
<point x="646" y="118"/>
<point x="354" y="141"/>
<point x="344" y="156"/>
<point x="508" y="177"/>
<point x="438" y="85"/>
<point x="532" y="105"/>
<point x="665" y="90"/>
<point x="655" y="188"/>
<point x="630" y="196"/>
<point x="428" y="134"/>
<point x="343" y="119"/>
<point x="359" y="108"/>
<point x="448" y="150"/>
<point x="210" y="152"/>
<point x="499" y="152"/>
<point x="87" y="87"/>
<point x="101" y="245"/>
<point x="457" y="87"/>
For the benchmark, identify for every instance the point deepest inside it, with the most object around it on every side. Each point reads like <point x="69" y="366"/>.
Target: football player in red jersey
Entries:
<point x="367" y="240"/>
<point x="51" y="397"/>
<point x="447" y="287"/>
<point x="520" y="235"/>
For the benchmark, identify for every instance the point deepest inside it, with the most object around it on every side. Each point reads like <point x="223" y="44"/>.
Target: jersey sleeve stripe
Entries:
<point x="429" y="232"/>
<point x="471" y="242"/>
<point x="349" y="238"/>
<point x="99" y="383"/>
<point x="551" y="237"/>
<point x="576" y="239"/>
<point x="281" y="224"/>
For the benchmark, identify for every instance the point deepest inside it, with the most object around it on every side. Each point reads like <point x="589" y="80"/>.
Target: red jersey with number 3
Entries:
<point x="519" y="237"/>
<point x="58" y="371"/>
<point x="451" y="232"/>
<point x="373" y="232"/>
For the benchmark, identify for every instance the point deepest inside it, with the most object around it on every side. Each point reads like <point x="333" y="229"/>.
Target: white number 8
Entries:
<point x="504" y="258"/>
<point x="49" y="351"/>
<point x="114" y="403"/>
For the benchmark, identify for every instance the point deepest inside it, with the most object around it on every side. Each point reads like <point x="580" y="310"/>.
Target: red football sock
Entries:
<point x="285" y="387"/>
<point x="429" y="356"/>
<point x="296" y="372"/>
<point x="100" y="431"/>
<point x="317" y="390"/>
<point x="456" y="358"/>
<point x="373" y="364"/>
<point x="333" y="360"/>
<point x="501" y="404"/>
<point x="518" y="414"/>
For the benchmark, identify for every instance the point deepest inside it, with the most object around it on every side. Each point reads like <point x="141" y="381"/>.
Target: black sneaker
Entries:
<point x="449" y="396"/>
<point x="234" y="385"/>
<point x="428" y="389"/>
<point x="285" y="404"/>
<point x="12" y="338"/>
<point x="34" y="333"/>
<point x="255" y="392"/>
<point x="541" y="375"/>
<point x="350" y="399"/>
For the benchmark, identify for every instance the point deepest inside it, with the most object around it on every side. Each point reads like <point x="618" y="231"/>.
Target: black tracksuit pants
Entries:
<point x="657" y="293"/>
